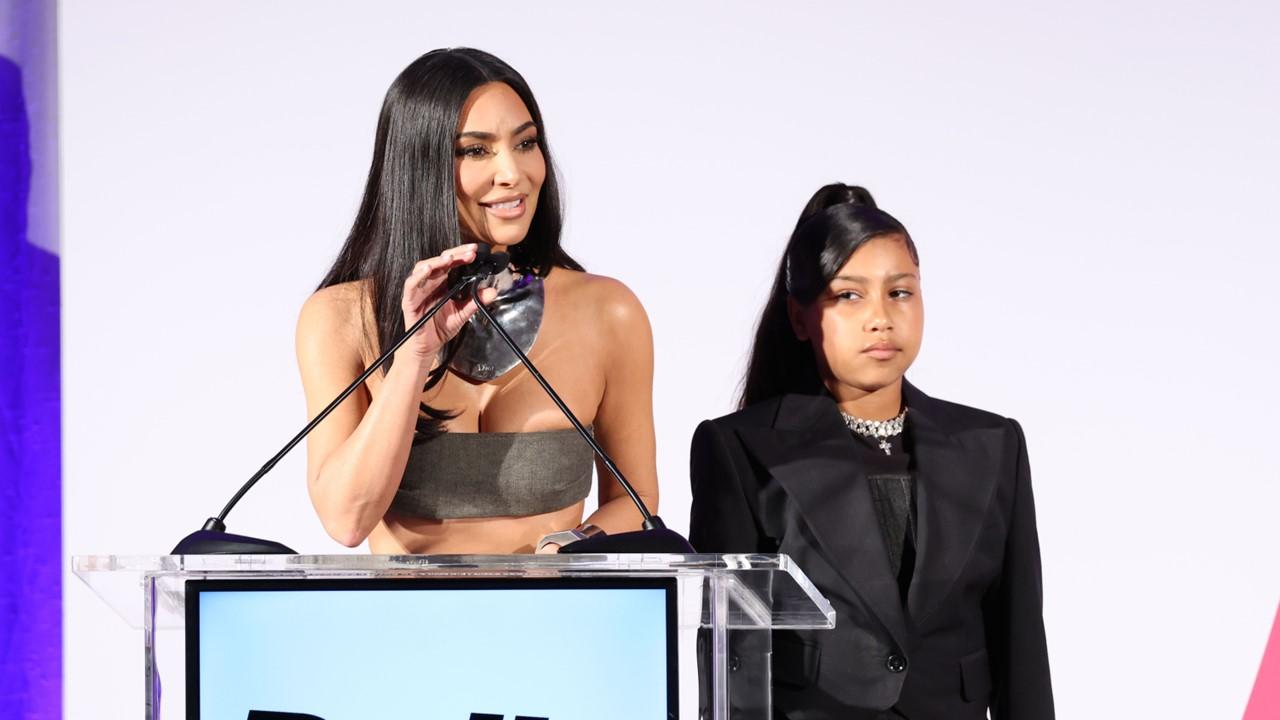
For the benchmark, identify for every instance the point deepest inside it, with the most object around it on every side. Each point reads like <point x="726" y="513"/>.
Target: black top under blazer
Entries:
<point x="784" y="476"/>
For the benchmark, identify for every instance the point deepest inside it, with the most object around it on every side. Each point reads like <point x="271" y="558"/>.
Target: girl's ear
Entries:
<point x="795" y="314"/>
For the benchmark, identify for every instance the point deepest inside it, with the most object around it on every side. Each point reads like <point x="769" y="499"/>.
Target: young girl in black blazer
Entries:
<point x="913" y="515"/>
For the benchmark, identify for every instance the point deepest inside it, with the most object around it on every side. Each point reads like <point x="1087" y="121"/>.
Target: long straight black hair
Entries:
<point x="837" y="220"/>
<point x="410" y="209"/>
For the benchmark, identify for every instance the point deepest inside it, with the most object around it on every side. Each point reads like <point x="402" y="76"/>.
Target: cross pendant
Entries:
<point x="886" y="447"/>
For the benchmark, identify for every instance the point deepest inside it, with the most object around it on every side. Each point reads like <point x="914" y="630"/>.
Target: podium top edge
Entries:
<point x="122" y="580"/>
<point x="181" y="564"/>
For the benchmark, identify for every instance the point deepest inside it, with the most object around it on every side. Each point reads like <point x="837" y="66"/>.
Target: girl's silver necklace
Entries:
<point x="880" y="430"/>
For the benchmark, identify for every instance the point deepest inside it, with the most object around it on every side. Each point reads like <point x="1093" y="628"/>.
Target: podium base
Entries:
<point x="641" y="541"/>
<point x="212" y="542"/>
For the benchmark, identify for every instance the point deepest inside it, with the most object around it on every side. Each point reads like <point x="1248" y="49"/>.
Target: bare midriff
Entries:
<point x="398" y="534"/>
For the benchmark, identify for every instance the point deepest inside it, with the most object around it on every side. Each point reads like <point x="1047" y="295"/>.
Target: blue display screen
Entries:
<point x="558" y="649"/>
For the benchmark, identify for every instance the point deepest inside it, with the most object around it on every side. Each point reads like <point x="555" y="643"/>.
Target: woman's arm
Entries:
<point x="1019" y="654"/>
<point x="624" y="420"/>
<point x="356" y="457"/>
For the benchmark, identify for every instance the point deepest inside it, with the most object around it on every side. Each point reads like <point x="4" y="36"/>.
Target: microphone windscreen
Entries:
<point x="498" y="261"/>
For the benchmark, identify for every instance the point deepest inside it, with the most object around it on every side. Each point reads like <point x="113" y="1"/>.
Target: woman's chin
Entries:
<point x="507" y="237"/>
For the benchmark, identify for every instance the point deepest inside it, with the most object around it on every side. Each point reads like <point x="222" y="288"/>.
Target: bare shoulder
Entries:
<point x="608" y="299"/>
<point x="333" y="314"/>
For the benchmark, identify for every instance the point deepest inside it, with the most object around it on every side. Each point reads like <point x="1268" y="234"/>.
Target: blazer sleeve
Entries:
<point x="1020" y="658"/>
<point x="721" y="519"/>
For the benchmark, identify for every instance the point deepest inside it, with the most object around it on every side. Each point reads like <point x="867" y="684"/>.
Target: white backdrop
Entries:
<point x="1092" y="187"/>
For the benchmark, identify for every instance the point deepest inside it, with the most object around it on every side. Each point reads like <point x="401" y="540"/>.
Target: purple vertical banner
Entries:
<point x="30" y="423"/>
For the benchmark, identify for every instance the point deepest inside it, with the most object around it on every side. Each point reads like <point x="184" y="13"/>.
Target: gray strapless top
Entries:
<point x="459" y="475"/>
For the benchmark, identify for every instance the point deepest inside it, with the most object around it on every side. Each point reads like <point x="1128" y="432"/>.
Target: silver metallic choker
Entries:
<point x="877" y="429"/>
<point x="481" y="354"/>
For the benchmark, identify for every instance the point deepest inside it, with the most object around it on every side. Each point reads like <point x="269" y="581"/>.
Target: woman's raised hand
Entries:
<point x="423" y="289"/>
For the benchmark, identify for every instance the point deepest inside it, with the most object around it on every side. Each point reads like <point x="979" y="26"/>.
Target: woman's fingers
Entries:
<point x="437" y="267"/>
<point x="424" y="288"/>
<point x="458" y="313"/>
<point x="429" y="274"/>
<point x="445" y="261"/>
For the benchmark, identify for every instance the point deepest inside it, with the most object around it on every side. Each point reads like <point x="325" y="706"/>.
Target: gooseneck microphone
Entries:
<point x="213" y="539"/>
<point x="654" y="537"/>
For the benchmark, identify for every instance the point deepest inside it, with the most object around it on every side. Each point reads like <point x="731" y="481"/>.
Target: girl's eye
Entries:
<point x="527" y="144"/>
<point x="848" y="295"/>
<point x="900" y="294"/>
<point x="473" y="151"/>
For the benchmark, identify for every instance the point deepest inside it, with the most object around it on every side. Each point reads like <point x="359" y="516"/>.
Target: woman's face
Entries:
<point x="867" y="324"/>
<point x="499" y="166"/>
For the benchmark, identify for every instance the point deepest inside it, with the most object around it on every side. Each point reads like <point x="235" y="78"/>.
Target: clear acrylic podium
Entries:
<point x="726" y="605"/>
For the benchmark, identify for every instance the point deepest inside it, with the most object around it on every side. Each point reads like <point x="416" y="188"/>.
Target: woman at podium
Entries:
<point x="912" y="514"/>
<point x="454" y="448"/>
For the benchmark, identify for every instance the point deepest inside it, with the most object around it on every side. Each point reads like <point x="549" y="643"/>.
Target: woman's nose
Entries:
<point x="506" y="169"/>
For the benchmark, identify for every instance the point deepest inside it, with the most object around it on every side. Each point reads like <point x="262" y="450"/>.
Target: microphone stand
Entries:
<point x="654" y="537"/>
<point x="213" y="539"/>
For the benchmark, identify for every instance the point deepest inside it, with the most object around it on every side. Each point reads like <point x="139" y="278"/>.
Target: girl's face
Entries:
<point x="498" y="166"/>
<point x="866" y="326"/>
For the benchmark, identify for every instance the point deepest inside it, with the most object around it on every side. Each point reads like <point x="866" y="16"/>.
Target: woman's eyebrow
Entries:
<point x="490" y="137"/>
<point x="890" y="278"/>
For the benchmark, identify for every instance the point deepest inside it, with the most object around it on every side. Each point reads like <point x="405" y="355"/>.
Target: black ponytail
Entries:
<point x="836" y="221"/>
<point x="835" y="194"/>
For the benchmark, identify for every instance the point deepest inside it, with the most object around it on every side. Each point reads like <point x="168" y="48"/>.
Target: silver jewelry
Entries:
<point x="567" y="537"/>
<point x="590" y="530"/>
<point x="482" y="355"/>
<point x="873" y="429"/>
<point x="562" y="538"/>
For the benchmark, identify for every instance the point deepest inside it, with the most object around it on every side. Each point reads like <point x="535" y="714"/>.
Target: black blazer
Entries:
<point x="783" y="476"/>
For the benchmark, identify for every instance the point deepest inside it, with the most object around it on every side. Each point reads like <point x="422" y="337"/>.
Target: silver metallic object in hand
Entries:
<point x="482" y="355"/>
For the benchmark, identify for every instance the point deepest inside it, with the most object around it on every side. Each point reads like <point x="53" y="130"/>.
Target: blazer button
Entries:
<point x="735" y="663"/>
<point x="896" y="663"/>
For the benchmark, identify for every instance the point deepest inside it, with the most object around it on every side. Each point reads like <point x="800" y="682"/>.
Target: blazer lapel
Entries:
<point x="952" y="496"/>
<point x="809" y="453"/>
